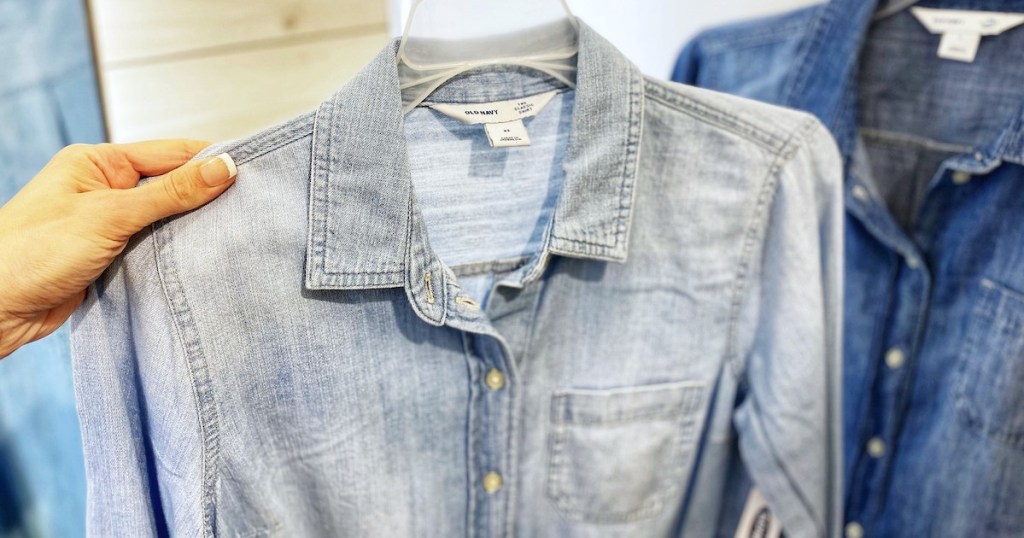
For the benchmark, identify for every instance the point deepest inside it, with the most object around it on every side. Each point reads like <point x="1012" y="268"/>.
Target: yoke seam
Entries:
<point x="716" y="117"/>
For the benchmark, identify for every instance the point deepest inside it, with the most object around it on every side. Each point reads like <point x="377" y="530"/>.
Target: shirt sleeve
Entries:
<point x="121" y="497"/>
<point x="789" y="415"/>
<point x="688" y="63"/>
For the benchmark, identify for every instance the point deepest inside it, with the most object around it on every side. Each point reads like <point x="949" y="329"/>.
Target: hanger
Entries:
<point x="444" y="38"/>
<point x="888" y="10"/>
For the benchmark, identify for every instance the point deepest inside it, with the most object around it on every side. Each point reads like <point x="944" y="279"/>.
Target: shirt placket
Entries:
<point x="493" y="403"/>
<point x="896" y="352"/>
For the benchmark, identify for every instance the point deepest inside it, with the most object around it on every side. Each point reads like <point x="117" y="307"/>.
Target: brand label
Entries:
<point x="962" y="30"/>
<point x="503" y="120"/>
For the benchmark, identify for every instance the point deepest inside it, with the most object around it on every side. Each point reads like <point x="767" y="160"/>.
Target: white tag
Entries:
<point x="757" y="520"/>
<point x="962" y="30"/>
<point x="503" y="120"/>
<point x="508" y="134"/>
<point x="961" y="46"/>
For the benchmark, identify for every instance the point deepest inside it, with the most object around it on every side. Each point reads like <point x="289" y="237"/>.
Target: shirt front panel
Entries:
<point x="941" y="351"/>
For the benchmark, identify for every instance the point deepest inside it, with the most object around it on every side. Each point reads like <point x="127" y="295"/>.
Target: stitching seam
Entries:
<point x="188" y="335"/>
<point x="755" y="229"/>
<point x="715" y="117"/>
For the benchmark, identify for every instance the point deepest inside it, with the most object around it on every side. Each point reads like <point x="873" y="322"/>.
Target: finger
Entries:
<point x="122" y="165"/>
<point x="180" y="190"/>
<point x="155" y="157"/>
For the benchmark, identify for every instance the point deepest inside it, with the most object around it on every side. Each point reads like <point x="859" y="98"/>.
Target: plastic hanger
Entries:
<point x="444" y="38"/>
<point x="888" y="10"/>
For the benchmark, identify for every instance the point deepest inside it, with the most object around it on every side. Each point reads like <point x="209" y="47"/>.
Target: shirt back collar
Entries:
<point x="364" y="226"/>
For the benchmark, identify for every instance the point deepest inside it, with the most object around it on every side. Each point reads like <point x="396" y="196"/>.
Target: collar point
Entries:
<point x="573" y="248"/>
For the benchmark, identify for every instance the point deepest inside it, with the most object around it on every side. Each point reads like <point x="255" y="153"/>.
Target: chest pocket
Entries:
<point x="990" y="384"/>
<point x="618" y="455"/>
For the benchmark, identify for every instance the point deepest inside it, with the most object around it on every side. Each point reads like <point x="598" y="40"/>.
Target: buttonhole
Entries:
<point x="430" y="288"/>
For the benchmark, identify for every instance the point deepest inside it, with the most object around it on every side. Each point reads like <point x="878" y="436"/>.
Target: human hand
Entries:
<point x="68" y="224"/>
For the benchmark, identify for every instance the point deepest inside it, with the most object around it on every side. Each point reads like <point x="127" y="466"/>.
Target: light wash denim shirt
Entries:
<point x="934" y="294"/>
<point x="636" y="318"/>
<point x="48" y="99"/>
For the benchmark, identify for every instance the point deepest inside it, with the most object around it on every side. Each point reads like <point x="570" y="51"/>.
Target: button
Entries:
<point x="492" y="482"/>
<point x="494" y="379"/>
<point x="960" y="177"/>
<point x="854" y="530"/>
<point x="913" y="263"/>
<point x="894" y="358"/>
<point x="860" y="193"/>
<point x="876" y="447"/>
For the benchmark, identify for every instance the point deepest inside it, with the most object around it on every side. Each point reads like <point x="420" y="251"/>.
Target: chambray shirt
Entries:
<point x="934" y="294"/>
<point x="311" y="354"/>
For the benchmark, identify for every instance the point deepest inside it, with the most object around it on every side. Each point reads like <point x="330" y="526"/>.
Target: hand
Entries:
<point x="68" y="224"/>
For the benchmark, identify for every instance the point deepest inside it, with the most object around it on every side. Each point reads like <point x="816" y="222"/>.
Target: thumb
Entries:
<point x="185" y="188"/>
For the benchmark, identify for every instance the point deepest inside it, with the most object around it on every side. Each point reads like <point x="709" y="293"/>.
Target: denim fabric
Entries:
<point x="48" y="99"/>
<point x="934" y="152"/>
<point x="297" y="358"/>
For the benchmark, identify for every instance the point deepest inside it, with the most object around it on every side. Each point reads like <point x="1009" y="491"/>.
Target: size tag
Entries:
<point x="962" y="30"/>
<point x="503" y="120"/>
<point x="757" y="520"/>
<point x="961" y="46"/>
<point x="507" y="134"/>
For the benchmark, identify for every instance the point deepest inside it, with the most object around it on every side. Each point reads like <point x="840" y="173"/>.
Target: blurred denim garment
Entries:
<point x="934" y="324"/>
<point x="48" y="99"/>
<point x="295" y="359"/>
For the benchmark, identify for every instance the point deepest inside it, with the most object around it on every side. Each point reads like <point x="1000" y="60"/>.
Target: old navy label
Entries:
<point x="497" y="111"/>
<point x="962" y="30"/>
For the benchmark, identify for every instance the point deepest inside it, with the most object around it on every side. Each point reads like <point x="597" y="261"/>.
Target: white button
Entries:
<point x="913" y="262"/>
<point x="960" y="177"/>
<point x="854" y="530"/>
<point x="494" y="379"/>
<point x="876" y="447"/>
<point x="860" y="193"/>
<point x="492" y="482"/>
<point x="894" y="358"/>
<point x="978" y="156"/>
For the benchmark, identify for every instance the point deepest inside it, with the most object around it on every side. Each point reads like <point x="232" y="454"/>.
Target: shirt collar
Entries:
<point x="365" y="230"/>
<point x="824" y="79"/>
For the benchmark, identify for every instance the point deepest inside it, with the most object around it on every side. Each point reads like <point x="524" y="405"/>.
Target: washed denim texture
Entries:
<point x="933" y="351"/>
<point x="48" y="99"/>
<point x="294" y="359"/>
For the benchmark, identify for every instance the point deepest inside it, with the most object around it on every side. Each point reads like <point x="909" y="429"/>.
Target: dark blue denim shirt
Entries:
<point x="934" y="294"/>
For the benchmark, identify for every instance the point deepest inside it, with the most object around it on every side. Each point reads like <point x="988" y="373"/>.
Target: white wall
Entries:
<point x="221" y="69"/>
<point x="218" y="69"/>
<point x="650" y="32"/>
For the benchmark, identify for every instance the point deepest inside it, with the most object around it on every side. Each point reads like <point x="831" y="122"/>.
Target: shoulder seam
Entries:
<point x="719" y="40"/>
<point x="714" y="116"/>
<point x="243" y="151"/>
<point x="756" y="230"/>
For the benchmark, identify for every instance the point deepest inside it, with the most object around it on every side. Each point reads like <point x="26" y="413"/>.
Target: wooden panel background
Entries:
<point x="223" y="69"/>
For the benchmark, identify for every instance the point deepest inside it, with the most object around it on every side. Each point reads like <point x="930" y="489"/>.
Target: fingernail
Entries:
<point x="217" y="170"/>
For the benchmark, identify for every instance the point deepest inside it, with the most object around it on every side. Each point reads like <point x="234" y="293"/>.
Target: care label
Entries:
<point x="503" y="120"/>
<point x="962" y="46"/>
<point x="757" y="520"/>
<point x="507" y="134"/>
<point x="962" y="30"/>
